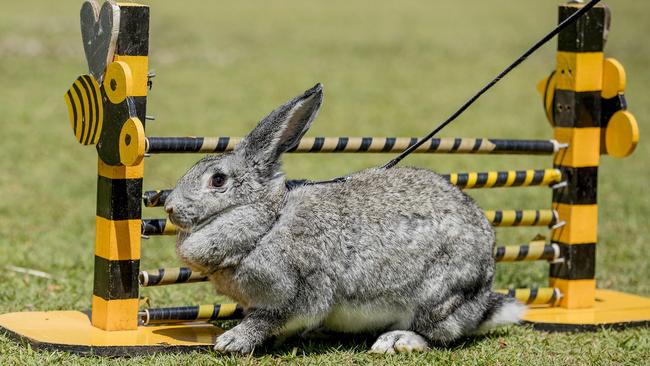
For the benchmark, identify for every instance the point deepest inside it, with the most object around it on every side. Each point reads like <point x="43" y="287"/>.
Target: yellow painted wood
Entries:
<point x="614" y="78"/>
<point x="584" y="146"/>
<point x="120" y="172"/>
<point x="581" y="224"/>
<point x="170" y="275"/>
<point x="117" y="239"/>
<point x="85" y="121"/>
<point x="73" y="328"/>
<point x="544" y="295"/>
<point x="610" y="307"/>
<point x="577" y="294"/>
<point x="139" y="66"/>
<point x="170" y="229"/>
<point x="535" y="249"/>
<point x="622" y="134"/>
<point x="132" y="142"/>
<point x="511" y="253"/>
<point x="115" y="314"/>
<point x="471" y="179"/>
<point x="118" y="82"/>
<point x="205" y="311"/>
<point x="226" y="310"/>
<point x="491" y="179"/>
<point x="546" y="89"/>
<point x="82" y="126"/>
<point x="579" y="71"/>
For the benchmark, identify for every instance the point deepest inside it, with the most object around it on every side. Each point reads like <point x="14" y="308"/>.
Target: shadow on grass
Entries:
<point x="343" y="342"/>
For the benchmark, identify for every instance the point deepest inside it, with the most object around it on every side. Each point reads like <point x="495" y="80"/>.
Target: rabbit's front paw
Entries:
<point x="234" y="341"/>
<point x="402" y="341"/>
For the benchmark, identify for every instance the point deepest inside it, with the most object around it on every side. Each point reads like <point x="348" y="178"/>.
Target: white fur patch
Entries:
<point x="351" y="319"/>
<point x="402" y="341"/>
<point x="355" y="319"/>
<point x="509" y="313"/>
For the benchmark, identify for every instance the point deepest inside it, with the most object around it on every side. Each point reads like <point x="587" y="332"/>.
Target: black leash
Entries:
<point x="568" y="21"/>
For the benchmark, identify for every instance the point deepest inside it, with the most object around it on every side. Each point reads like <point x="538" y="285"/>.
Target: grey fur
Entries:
<point x="396" y="249"/>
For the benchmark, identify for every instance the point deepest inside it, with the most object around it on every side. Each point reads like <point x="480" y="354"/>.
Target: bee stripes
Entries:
<point x="160" y="145"/>
<point x="530" y="252"/>
<point x="535" y="295"/>
<point x="169" y="276"/>
<point x="184" y="314"/>
<point x="85" y="109"/>
<point x="511" y="178"/>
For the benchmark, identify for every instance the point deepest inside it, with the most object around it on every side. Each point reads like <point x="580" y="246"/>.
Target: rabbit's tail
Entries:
<point x="502" y="310"/>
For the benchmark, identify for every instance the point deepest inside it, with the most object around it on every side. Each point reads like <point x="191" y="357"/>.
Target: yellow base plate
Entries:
<point x="612" y="310"/>
<point x="71" y="331"/>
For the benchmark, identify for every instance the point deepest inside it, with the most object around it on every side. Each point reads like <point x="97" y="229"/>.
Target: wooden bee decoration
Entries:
<point x="106" y="106"/>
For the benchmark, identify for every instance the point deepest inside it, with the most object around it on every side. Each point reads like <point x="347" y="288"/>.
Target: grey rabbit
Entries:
<point x="399" y="250"/>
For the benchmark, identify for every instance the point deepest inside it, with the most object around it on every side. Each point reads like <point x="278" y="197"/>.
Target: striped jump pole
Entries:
<point x="499" y="218"/>
<point x="185" y="314"/>
<point x="534" y="296"/>
<point x="510" y="178"/>
<point x="491" y="179"/>
<point x="505" y="218"/>
<point x="212" y="312"/>
<point x="158" y="227"/>
<point x="168" y="276"/>
<point x="528" y="252"/>
<point x="161" y="145"/>
<point x="535" y="250"/>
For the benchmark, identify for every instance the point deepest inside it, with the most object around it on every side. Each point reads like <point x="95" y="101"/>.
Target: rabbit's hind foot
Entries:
<point x="399" y="341"/>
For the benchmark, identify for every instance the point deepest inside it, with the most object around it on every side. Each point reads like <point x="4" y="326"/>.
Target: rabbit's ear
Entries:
<point x="282" y="130"/>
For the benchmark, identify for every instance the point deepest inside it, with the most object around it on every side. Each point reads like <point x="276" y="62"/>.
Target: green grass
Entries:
<point x="388" y="69"/>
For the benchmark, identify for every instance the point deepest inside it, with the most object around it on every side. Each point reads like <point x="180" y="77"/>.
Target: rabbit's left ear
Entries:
<point x="281" y="130"/>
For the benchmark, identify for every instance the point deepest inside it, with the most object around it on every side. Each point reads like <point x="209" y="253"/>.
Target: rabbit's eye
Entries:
<point x="218" y="180"/>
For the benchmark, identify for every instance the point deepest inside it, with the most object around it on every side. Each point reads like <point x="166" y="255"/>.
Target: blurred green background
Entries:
<point x="389" y="69"/>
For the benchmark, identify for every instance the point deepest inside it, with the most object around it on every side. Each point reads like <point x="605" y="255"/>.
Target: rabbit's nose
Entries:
<point x="169" y="209"/>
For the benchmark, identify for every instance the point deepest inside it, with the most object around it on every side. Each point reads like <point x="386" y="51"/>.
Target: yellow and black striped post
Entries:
<point x="120" y="168"/>
<point x="576" y="110"/>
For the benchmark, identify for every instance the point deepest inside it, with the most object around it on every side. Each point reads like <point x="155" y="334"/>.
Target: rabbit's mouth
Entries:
<point x="199" y="223"/>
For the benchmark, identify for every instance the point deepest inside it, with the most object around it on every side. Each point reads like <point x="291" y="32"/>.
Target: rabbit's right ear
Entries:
<point x="281" y="131"/>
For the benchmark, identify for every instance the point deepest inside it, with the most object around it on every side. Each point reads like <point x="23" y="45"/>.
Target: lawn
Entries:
<point x="389" y="69"/>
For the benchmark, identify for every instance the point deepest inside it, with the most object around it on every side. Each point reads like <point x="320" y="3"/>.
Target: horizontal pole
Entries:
<point x="509" y="178"/>
<point x="158" y="227"/>
<point x="508" y="218"/>
<point x="535" y="295"/>
<point x="212" y="312"/>
<point x="500" y="218"/>
<point x="452" y="145"/>
<point x="533" y="251"/>
<point x="186" y="314"/>
<point x="492" y="179"/>
<point x="155" y="198"/>
<point x="168" y="276"/>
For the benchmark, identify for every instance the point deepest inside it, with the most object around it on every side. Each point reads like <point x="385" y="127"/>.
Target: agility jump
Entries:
<point x="583" y="100"/>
